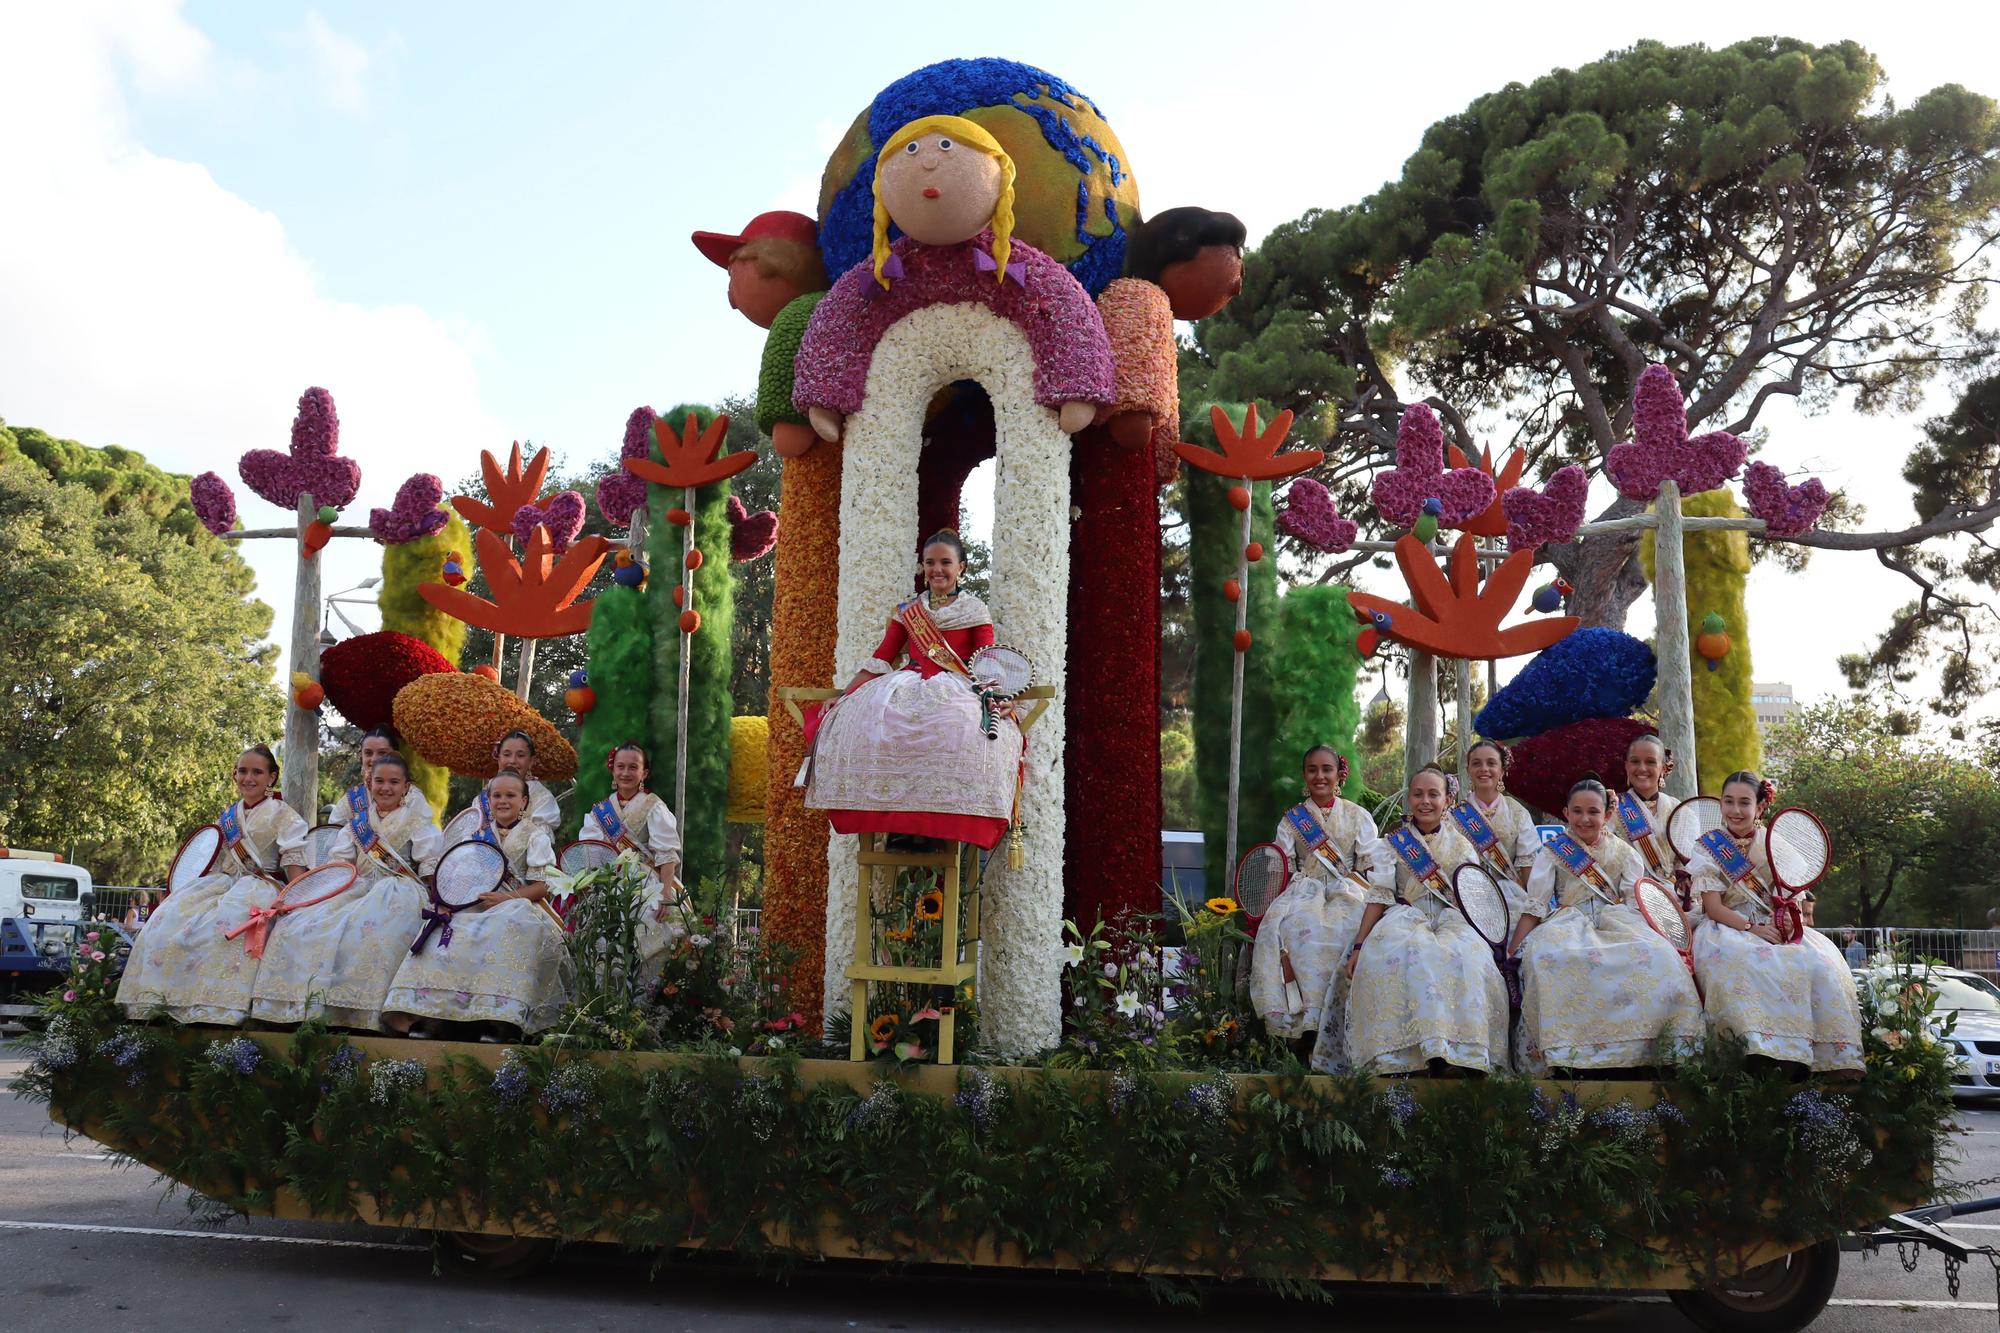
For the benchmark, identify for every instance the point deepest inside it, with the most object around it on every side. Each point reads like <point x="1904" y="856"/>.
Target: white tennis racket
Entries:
<point x="197" y="856"/>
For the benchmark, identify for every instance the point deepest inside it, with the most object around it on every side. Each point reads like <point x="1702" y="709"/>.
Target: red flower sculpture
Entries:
<point x="1458" y="617"/>
<point x="361" y="675"/>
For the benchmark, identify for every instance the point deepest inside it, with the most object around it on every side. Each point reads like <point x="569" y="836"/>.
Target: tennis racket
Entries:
<point x="315" y="886"/>
<point x="197" y="856"/>
<point x="464" y="873"/>
<point x="1261" y="877"/>
<point x="1691" y="819"/>
<point x="1800" y="852"/>
<point x="999" y="672"/>
<point x="463" y="825"/>
<point x="319" y="843"/>
<point x="1484" y="905"/>
<point x="581" y="855"/>
<point x="1661" y="907"/>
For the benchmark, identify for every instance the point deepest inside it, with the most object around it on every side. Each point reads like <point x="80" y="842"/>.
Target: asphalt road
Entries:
<point x="86" y="1244"/>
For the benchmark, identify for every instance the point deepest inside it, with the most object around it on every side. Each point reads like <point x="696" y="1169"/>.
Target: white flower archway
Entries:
<point x="1020" y="994"/>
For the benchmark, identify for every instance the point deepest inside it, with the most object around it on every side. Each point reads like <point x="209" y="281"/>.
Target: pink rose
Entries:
<point x="69" y="996"/>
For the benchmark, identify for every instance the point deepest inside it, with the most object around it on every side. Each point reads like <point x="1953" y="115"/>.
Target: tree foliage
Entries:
<point x="133" y="666"/>
<point x="1757" y="217"/>
<point x="1915" y="826"/>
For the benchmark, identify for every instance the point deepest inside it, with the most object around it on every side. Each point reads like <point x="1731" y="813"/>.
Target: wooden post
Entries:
<point x="302" y="724"/>
<point x="1420" y="735"/>
<point x="524" y="668"/>
<point x="1463" y="671"/>
<point x="1236" y="692"/>
<point x="1670" y="641"/>
<point x="687" y="653"/>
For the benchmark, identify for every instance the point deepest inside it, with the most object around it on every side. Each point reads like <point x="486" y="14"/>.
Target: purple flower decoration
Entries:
<point x="311" y="466"/>
<point x="214" y="502"/>
<point x="750" y="535"/>
<point x="1787" y="511"/>
<point x="1660" y="449"/>
<point x="561" y="514"/>
<point x="1309" y="515"/>
<point x="619" y="492"/>
<point x="1419" y="475"/>
<point x="1548" y="516"/>
<point x="415" y="513"/>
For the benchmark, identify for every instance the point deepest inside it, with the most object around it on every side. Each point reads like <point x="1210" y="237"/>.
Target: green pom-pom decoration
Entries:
<point x="327" y="513"/>
<point x="1712" y="623"/>
<point x="781" y="349"/>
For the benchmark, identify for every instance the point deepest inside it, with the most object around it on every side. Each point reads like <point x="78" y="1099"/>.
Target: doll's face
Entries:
<point x="758" y="295"/>
<point x="387" y="785"/>
<point x="939" y="191"/>
<point x="1198" y="287"/>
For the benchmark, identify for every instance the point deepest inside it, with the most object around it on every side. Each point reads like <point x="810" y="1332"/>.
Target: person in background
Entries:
<point x="1853" y="949"/>
<point x="141" y="907"/>
<point x="375" y="743"/>
<point x="515" y="753"/>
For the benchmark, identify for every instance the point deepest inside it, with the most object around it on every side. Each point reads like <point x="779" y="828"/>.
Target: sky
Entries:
<point x="470" y="221"/>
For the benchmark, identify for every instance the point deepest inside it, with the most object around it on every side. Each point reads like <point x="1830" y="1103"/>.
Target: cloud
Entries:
<point x="340" y="62"/>
<point x="150" y="307"/>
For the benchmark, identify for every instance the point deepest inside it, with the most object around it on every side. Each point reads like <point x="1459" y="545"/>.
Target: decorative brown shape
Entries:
<point x="1248" y="454"/>
<point x="1492" y="520"/>
<point x="506" y="491"/>
<point x="691" y="460"/>
<point x="1458" y="617"/>
<point x="533" y="597"/>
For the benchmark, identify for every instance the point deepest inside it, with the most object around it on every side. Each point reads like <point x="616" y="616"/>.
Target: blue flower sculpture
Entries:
<point x="1591" y="673"/>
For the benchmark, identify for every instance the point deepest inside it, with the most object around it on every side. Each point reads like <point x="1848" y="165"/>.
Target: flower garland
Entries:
<point x="1593" y="672"/>
<point x="929" y="347"/>
<point x="804" y="615"/>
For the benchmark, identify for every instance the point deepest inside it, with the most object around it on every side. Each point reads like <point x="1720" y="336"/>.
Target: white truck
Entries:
<point x="44" y="908"/>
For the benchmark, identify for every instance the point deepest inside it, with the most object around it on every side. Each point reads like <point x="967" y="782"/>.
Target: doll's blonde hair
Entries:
<point x="961" y="130"/>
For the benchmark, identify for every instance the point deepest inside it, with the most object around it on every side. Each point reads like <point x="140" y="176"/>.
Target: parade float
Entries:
<point x="1015" y="1035"/>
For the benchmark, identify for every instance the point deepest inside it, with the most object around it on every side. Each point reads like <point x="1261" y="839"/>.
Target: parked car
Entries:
<point x="1974" y="1003"/>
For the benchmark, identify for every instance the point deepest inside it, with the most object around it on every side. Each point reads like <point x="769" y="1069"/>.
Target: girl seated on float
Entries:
<point x="1788" y="1002"/>
<point x="337" y="958"/>
<point x="633" y="818"/>
<point x="1600" y="989"/>
<point x="1424" y="991"/>
<point x="1297" y="977"/>
<point x="903" y="750"/>
<point x="375" y="743"/>
<point x="504" y="965"/>
<point x="1642" y="821"/>
<point x="183" y="960"/>
<point x="1515" y="839"/>
<point x="515" y="753"/>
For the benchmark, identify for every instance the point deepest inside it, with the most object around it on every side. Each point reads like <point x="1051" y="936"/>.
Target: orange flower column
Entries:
<point x="804" y="620"/>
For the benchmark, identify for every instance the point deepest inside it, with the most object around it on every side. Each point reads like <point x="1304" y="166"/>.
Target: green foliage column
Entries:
<point x="404" y="566"/>
<point x="1214" y="532"/>
<point x="1314" y="670"/>
<point x="704" y="837"/>
<point x="1718" y="567"/>
<point x="620" y="666"/>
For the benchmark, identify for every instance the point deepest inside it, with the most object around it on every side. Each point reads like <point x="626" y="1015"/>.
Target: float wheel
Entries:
<point x="1778" y="1297"/>
<point x="495" y="1258"/>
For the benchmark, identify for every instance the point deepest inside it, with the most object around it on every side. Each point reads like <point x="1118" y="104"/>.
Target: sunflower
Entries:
<point x="883" y="1028"/>
<point x="1221" y="906"/>
<point x="901" y="936"/>
<point x="930" y="907"/>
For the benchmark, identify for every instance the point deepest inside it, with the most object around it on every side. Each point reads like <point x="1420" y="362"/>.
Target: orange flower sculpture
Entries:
<point x="1458" y="617"/>
<point x="690" y="460"/>
<point x="1492" y="520"/>
<point x="533" y="597"/>
<point x="507" y="491"/>
<point x="1249" y="454"/>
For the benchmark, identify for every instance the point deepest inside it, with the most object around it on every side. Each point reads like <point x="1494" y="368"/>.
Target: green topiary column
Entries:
<point x="704" y="838"/>
<point x="1313" y="673"/>
<point x="620" y="666"/>
<point x="404" y="566"/>
<point x="1214" y="531"/>
<point x="1718" y="567"/>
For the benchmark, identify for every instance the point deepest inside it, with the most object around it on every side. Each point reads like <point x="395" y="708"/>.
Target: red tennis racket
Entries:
<point x="1484" y="905"/>
<point x="1800" y="852"/>
<point x="1261" y="877"/>
<point x="197" y="856"/>
<point x="1661" y="907"/>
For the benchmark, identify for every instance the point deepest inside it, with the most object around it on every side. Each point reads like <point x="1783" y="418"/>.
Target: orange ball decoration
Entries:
<point x="309" y="696"/>
<point x="1231" y="589"/>
<point x="1239" y="497"/>
<point x="690" y="621"/>
<point x="693" y="559"/>
<point x="581" y="699"/>
<point x="487" y="670"/>
<point x="678" y="517"/>
<point x="1243" y="641"/>
<point x="680" y="595"/>
<point x="1254" y="552"/>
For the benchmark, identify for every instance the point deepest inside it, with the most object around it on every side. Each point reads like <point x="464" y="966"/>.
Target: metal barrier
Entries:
<point x="1972" y="950"/>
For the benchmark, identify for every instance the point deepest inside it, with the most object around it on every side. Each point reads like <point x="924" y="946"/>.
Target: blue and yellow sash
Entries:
<point x="1410" y="850"/>
<point x="1580" y="864"/>
<point x="1482" y="837"/>
<point x="1305" y="824"/>
<point x="364" y="832"/>
<point x="1639" y="829"/>
<point x="357" y="800"/>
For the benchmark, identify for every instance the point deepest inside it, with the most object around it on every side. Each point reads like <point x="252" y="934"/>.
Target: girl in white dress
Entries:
<point x="515" y="753"/>
<point x="184" y="960"/>
<point x="1789" y="1002"/>
<point x="1332" y="849"/>
<point x="1600" y="989"/>
<point x="504" y="964"/>
<point x="634" y="818"/>
<point x="374" y="744"/>
<point x="1425" y="992"/>
<point x="1516" y="840"/>
<point x="337" y="958"/>
<point x="1648" y="761"/>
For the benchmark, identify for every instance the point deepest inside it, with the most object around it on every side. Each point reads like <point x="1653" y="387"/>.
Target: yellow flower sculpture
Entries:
<point x="455" y="719"/>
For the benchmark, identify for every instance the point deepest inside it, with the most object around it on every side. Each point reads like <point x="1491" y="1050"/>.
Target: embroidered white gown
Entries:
<point x="337" y="958"/>
<point x="1599" y="987"/>
<point x="504" y="963"/>
<point x="652" y="829"/>
<point x="182" y="959"/>
<point x="1792" y="1002"/>
<point x="1425" y="987"/>
<point x="1314" y="920"/>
